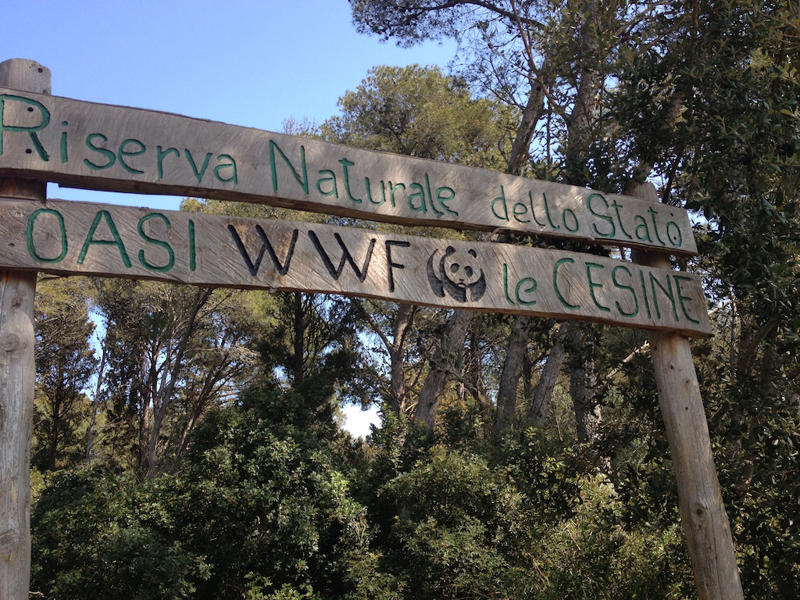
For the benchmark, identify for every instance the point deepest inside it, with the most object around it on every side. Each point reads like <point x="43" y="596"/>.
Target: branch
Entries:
<point x="372" y="324"/>
<point x="482" y="4"/>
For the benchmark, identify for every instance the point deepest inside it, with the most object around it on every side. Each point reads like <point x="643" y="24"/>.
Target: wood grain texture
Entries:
<point x="97" y="239"/>
<point x="703" y="517"/>
<point x="89" y="145"/>
<point x="17" y="373"/>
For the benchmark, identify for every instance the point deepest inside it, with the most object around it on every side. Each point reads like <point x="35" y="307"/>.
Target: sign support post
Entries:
<point x="703" y="517"/>
<point x="17" y="373"/>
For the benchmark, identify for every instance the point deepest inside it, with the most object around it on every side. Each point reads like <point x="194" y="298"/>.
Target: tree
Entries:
<point x="261" y="509"/>
<point x="171" y="351"/>
<point x="714" y="109"/>
<point x="64" y="364"/>
<point x="554" y="68"/>
<point x="421" y="112"/>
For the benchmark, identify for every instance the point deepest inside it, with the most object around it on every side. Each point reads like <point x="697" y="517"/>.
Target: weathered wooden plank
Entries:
<point x="83" y="144"/>
<point x="98" y="239"/>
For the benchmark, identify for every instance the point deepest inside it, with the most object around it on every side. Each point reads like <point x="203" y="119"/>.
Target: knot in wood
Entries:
<point x="699" y="513"/>
<point x="9" y="542"/>
<point x="9" y="342"/>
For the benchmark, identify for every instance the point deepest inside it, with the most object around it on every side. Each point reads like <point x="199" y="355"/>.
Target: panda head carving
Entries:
<point x="457" y="274"/>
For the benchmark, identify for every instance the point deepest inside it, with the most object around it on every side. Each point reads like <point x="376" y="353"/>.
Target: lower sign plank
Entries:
<point x="68" y="237"/>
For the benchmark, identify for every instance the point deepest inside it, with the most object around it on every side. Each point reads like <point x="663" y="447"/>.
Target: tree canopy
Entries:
<point x="190" y="449"/>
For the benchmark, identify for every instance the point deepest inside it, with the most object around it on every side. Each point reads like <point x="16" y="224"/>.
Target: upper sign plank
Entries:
<point x="98" y="146"/>
<point x="96" y="239"/>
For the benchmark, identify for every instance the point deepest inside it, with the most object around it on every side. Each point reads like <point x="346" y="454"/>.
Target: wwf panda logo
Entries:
<point x="456" y="273"/>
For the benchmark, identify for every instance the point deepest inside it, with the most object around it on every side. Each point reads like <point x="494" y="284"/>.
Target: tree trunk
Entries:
<point x="537" y="411"/>
<point x="579" y="138"/>
<point x="445" y="356"/>
<point x="579" y="129"/>
<point x="518" y="341"/>
<point x="402" y="325"/>
<point x="588" y="416"/>
<point x="509" y="378"/>
<point x="298" y="343"/>
<point x="169" y="380"/>
<point x="519" y="157"/>
<point x="533" y="111"/>
<point x="582" y="389"/>
<point x="95" y="403"/>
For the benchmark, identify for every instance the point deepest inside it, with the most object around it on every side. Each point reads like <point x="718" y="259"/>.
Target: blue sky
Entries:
<point x="244" y="62"/>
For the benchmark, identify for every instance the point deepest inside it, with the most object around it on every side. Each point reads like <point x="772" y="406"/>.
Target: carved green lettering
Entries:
<point x="681" y="297"/>
<point x="533" y="210"/>
<point x="667" y="292"/>
<point x="161" y="154"/>
<point x="369" y="192"/>
<point x="616" y="208"/>
<point x="29" y="235"/>
<point x="123" y="152"/>
<point x="531" y="283"/>
<point x="30" y="130"/>
<point x="674" y="234"/>
<point x="63" y="145"/>
<point x="502" y="200"/>
<point x="593" y="284"/>
<point x="161" y="243"/>
<point x="573" y="219"/>
<point x="345" y="164"/>
<point x="642" y="231"/>
<point x="110" y="156"/>
<point x="116" y="241"/>
<point x="430" y="196"/>
<point x="302" y="181"/>
<point x="397" y="186"/>
<point x="655" y="225"/>
<point x="231" y="164"/>
<point x="644" y="294"/>
<point x="505" y="285"/>
<point x="623" y="286"/>
<point x="520" y="210"/>
<point x="192" y="247"/>
<point x="419" y="193"/>
<point x="555" y="283"/>
<point x="547" y="213"/>
<point x="198" y="173"/>
<point x="603" y="234"/>
<point x="331" y="179"/>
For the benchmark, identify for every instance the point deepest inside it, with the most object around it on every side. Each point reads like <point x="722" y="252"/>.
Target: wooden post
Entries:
<point x="17" y="372"/>
<point x="703" y="517"/>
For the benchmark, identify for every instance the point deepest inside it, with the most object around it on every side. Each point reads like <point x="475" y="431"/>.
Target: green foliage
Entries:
<point x="422" y="112"/>
<point x="97" y="533"/>
<point x="257" y="512"/>
<point x="456" y="529"/>
<point x="732" y="154"/>
<point x="64" y="364"/>
<point x="265" y="499"/>
<point x="594" y="554"/>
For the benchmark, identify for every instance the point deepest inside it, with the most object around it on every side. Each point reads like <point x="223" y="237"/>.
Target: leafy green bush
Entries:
<point x="255" y="513"/>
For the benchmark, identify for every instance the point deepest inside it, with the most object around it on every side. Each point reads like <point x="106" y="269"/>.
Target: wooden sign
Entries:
<point x="69" y="237"/>
<point x="88" y="145"/>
